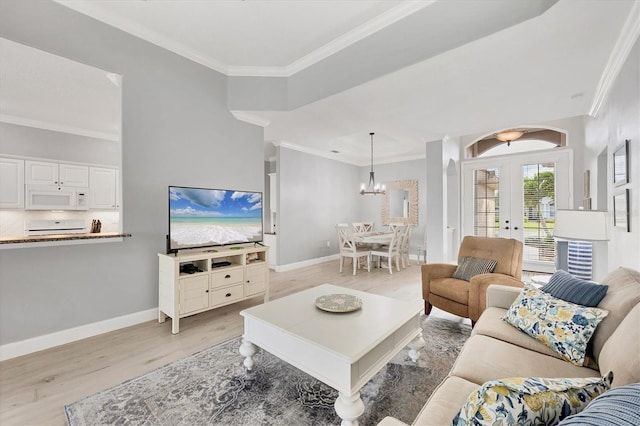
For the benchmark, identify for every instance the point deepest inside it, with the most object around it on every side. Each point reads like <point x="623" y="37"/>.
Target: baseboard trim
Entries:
<point x="35" y="344"/>
<point x="298" y="265"/>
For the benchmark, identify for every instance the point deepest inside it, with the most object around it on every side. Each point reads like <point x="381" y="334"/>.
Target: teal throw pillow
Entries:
<point x="471" y="266"/>
<point x="562" y="326"/>
<point x="532" y="401"/>
<point x="565" y="286"/>
<point x="615" y="407"/>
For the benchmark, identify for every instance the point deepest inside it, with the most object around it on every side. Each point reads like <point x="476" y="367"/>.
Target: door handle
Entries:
<point x="515" y="227"/>
<point x="506" y="227"/>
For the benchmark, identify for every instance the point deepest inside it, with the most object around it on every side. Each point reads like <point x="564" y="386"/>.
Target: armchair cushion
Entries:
<point x="471" y="266"/>
<point x="565" y="286"/>
<point x="565" y="327"/>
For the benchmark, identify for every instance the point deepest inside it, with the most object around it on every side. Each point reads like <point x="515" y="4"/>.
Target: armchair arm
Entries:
<point x="478" y="291"/>
<point x="501" y="296"/>
<point x="432" y="271"/>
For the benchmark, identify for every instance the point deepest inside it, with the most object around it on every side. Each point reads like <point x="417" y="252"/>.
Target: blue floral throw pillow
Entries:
<point x="564" y="327"/>
<point x="529" y="401"/>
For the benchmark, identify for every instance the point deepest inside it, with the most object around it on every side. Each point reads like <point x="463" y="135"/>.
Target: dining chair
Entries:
<point x="404" y="247"/>
<point x="348" y="248"/>
<point x="422" y="250"/>
<point x="367" y="226"/>
<point x="391" y="251"/>
<point x="358" y="226"/>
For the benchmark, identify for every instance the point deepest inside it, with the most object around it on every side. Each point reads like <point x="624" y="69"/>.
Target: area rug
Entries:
<point x="212" y="387"/>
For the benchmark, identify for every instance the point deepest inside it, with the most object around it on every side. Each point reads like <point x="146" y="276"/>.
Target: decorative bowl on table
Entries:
<point x="339" y="303"/>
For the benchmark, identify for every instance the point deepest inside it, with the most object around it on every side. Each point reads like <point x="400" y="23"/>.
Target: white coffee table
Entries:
<point x="342" y="350"/>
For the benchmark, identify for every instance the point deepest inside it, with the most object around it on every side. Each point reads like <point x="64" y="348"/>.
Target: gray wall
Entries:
<point x="371" y="205"/>
<point x="314" y="194"/>
<point x="618" y="119"/>
<point x="176" y="131"/>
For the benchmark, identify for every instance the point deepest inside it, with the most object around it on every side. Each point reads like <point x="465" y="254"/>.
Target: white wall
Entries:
<point x="618" y="119"/>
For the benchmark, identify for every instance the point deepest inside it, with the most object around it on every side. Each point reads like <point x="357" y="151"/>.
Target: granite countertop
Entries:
<point x="60" y="237"/>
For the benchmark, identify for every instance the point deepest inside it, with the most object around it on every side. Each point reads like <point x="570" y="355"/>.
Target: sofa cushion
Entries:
<point x="492" y="325"/>
<point x="531" y="400"/>
<point x="565" y="327"/>
<point x="484" y="358"/>
<point x="622" y="296"/>
<point x="471" y="266"/>
<point x="617" y="407"/>
<point x="565" y="286"/>
<point x="621" y="352"/>
<point x="445" y="402"/>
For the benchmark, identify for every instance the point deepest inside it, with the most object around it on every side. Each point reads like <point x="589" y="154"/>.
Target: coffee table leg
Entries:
<point x="349" y="408"/>
<point x="248" y="350"/>
<point x="414" y="347"/>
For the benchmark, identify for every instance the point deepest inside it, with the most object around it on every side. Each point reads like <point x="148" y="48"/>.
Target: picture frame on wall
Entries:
<point x="621" y="164"/>
<point x="621" y="210"/>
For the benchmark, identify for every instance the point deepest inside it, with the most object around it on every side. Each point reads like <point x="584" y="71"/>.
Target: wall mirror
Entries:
<point x="55" y="109"/>
<point x="400" y="203"/>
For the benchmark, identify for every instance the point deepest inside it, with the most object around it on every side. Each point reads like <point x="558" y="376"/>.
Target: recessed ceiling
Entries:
<point x="546" y="66"/>
<point x="250" y="37"/>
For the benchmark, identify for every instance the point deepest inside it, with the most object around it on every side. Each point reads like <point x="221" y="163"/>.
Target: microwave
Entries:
<point x="56" y="197"/>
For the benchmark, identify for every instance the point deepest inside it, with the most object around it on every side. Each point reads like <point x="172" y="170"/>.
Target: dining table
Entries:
<point x="380" y="238"/>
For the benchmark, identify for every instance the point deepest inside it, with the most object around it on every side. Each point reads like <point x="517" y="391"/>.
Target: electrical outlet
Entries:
<point x="328" y="243"/>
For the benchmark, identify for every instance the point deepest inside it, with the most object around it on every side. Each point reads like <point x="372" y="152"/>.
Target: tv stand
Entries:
<point x="224" y="276"/>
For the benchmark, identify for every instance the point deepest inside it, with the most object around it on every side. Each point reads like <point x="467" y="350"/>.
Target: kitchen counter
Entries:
<point x="37" y="240"/>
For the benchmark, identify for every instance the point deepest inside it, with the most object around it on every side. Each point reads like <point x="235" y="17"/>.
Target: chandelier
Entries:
<point x="509" y="136"/>
<point x="373" y="188"/>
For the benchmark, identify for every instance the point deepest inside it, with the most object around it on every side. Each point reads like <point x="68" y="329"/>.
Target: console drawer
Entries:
<point x="227" y="277"/>
<point x="226" y="295"/>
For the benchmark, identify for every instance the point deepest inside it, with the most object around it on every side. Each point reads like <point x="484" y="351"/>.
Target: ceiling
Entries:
<point x="47" y="91"/>
<point x="525" y="69"/>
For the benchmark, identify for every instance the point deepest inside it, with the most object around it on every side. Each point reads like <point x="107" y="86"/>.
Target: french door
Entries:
<point x="516" y="197"/>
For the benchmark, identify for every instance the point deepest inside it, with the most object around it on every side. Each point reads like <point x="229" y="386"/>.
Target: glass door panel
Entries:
<point x="486" y="196"/>
<point x="539" y="194"/>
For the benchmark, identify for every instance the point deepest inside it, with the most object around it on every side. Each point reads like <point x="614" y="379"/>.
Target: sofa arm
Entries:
<point x="478" y="290"/>
<point x="391" y="421"/>
<point x="501" y="296"/>
<point x="433" y="271"/>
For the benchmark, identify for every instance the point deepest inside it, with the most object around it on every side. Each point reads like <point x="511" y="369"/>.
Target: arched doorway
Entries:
<point x="515" y="195"/>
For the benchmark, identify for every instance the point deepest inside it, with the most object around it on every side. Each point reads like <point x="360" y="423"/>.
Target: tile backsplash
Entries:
<point x="12" y="221"/>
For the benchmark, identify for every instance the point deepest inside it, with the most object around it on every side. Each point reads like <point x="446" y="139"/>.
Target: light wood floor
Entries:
<point x="34" y="388"/>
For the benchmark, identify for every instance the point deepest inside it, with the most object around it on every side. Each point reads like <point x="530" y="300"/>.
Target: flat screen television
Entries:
<point x="201" y="217"/>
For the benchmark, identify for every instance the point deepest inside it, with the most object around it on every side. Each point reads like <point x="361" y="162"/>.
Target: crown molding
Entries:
<point x="21" y="121"/>
<point x="332" y="156"/>
<point x="93" y="10"/>
<point x="626" y="40"/>
<point x="376" y="24"/>
<point x="250" y="118"/>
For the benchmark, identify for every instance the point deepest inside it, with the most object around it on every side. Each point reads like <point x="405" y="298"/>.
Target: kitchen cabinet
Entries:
<point x="11" y="183"/>
<point x="49" y="173"/>
<point x="103" y="188"/>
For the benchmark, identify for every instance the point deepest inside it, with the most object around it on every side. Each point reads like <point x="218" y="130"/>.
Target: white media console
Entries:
<point x="200" y="280"/>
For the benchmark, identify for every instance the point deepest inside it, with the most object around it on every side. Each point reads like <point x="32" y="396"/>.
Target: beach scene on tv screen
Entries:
<point x="207" y="217"/>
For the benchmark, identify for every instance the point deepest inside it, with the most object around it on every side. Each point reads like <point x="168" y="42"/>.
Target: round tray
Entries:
<point x="339" y="303"/>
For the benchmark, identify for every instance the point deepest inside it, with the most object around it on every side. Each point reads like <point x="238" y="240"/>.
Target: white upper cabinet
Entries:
<point x="11" y="183"/>
<point x="48" y="173"/>
<point x="103" y="188"/>
<point x="73" y="175"/>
